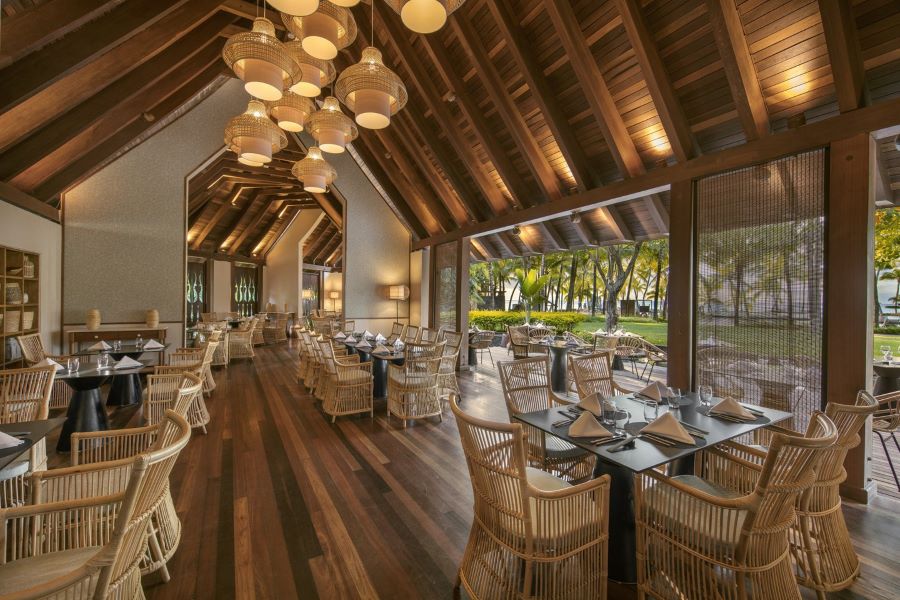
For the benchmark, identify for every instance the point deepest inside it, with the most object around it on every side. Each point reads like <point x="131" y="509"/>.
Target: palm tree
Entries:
<point x="531" y="290"/>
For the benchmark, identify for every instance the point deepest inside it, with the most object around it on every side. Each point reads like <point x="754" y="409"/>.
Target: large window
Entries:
<point x="759" y="289"/>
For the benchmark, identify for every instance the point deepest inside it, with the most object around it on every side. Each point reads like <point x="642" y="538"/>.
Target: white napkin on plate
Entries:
<point x="340" y="335"/>
<point x="587" y="426"/>
<point x="654" y="391"/>
<point x="731" y="408"/>
<point x="153" y="345"/>
<point x="592" y="403"/>
<point x="363" y="343"/>
<point x="127" y="363"/>
<point x="667" y="426"/>
<point x="381" y="349"/>
<point x="380" y="338"/>
<point x="368" y="334"/>
<point x="101" y="345"/>
<point x="48" y="362"/>
<point x="8" y="441"/>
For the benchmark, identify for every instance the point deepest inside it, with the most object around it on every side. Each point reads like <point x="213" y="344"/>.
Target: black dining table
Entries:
<point x="86" y="411"/>
<point x="643" y="455"/>
<point x="30" y="431"/>
<point x="887" y="377"/>
<point x="559" y="364"/>
<point x="126" y="390"/>
<point x="379" y="361"/>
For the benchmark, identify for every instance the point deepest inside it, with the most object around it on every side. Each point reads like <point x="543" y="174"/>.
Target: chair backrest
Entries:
<point x="209" y="350"/>
<point x="887" y="417"/>
<point x="593" y="373"/>
<point x="25" y="394"/>
<point x="208" y="317"/>
<point x="526" y="384"/>
<point x="397" y="329"/>
<point x="629" y="344"/>
<point x="410" y="334"/>
<point x="603" y="341"/>
<point x="170" y="391"/>
<point x="349" y="326"/>
<point x="538" y="333"/>
<point x="482" y="340"/>
<point x="429" y="335"/>
<point x="32" y="348"/>
<point x="518" y="334"/>
<point x="495" y="457"/>
<point x="326" y="351"/>
<point x="423" y="359"/>
<point x="453" y="339"/>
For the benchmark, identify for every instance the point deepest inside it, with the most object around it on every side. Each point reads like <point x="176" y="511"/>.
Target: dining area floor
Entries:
<point x="276" y="501"/>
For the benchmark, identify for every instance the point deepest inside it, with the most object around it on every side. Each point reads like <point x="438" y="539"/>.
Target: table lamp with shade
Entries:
<point x="334" y="295"/>
<point x="398" y="293"/>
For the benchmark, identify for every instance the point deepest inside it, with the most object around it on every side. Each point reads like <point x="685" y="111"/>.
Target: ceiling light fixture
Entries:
<point x="424" y="16"/>
<point x="371" y="90"/>
<point x="292" y="111"/>
<point x="331" y="128"/>
<point x="576" y="217"/>
<point x="314" y="171"/>
<point x="314" y="73"/>
<point x="253" y="136"/>
<point x="260" y="59"/>
<point x="297" y="8"/>
<point x="330" y="29"/>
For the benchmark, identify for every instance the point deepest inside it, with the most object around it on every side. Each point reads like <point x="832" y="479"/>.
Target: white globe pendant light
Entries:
<point x="299" y="8"/>
<point x="371" y="90"/>
<point x="425" y="16"/>
<point x="260" y="59"/>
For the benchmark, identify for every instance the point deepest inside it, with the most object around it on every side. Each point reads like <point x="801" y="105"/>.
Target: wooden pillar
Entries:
<point x="680" y="293"/>
<point x="462" y="299"/>
<point x="849" y="290"/>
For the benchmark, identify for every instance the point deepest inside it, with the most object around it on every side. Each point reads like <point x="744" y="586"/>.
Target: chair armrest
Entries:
<point x="559" y="400"/>
<point x="349" y="359"/>
<point x="82" y="481"/>
<point x="111" y="445"/>
<point x="581" y="510"/>
<point x="695" y="501"/>
<point x="731" y="465"/>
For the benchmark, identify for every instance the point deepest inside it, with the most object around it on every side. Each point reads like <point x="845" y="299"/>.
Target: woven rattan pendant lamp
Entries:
<point x="292" y="111"/>
<point x="314" y="171"/>
<point x="314" y="73"/>
<point x="298" y="8"/>
<point x="345" y="3"/>
<point x="331" y="128"/>
<point x="371" y="90"/>
<point x="253" y="135"/>
<point x="424" y="16"/>
<point x="260" y="60"/>
<point x="330" y="29"/>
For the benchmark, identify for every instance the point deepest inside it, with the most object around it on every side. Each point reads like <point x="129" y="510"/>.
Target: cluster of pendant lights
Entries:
<point x="285" y="77"/>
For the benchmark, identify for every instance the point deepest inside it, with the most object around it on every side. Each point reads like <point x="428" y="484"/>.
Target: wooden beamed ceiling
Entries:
<point x="517" y="108"/>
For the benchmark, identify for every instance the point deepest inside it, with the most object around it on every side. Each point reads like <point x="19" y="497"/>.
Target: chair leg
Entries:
<point x="456" y="588"/>
<point x="888" y="456"/>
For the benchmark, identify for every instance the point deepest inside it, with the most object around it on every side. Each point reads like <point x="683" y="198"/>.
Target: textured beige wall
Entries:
<point x="415" y="287"/>
<point x="221" y="286"/>
<point x="26" y="231"/>
<point x="281" y="283"/>
<point x="125" y="225"/>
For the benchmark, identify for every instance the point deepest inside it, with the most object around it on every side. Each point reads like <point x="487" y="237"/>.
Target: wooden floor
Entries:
<point x="279" y="503"/>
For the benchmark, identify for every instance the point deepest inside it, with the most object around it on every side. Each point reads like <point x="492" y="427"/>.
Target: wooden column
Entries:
<point x="849" y="290"/>
<point x="462" y="299"/>
<point x="680" y="293"/>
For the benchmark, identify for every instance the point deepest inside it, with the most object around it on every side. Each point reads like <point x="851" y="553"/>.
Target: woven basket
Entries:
<point x="13" y="293"/>
<point x="93" y="319"/>
<point x="152" y="318"/>
<point x="27" y="320"/>
<point x="12" y="321"/>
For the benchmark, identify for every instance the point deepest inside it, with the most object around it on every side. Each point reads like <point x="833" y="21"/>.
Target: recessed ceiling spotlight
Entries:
<point x="149" y="117"/>
<point x="897" y="143"/>
<point x="516" y="231"/>
<point x="576" y="217"/>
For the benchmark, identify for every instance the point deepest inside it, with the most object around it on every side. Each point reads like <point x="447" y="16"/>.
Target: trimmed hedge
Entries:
<point x="498" y="320"/>
<point x="888" y="329"/>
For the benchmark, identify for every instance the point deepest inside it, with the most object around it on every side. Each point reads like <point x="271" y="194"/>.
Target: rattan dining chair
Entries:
<point x="593" y="373"/>
<point x="275" y="330"/>
<point x="630" y="348"/>
<point x="429" y="335"/>
<point x="85" y="533"/>
<point x="526" y="388"/>
<point x="164" y="531"/>
<point x="221" y="356"/>
<point x="724" y="532"/>
<point x="518" y="341"/>
<point x="412" y="388"/>
<point x="163" y="392"/>
<point x="33" y="352"/>
<point x="885" y="424"/>
<point x="410" y="334"/>
<point x="447" y="381"/>
<point x="241" y="341"/>
<point x="653" y="356"/>
<point x="189" y="360"/>
<point x="481" y="342"/>
<point x="396" y="333"/>
<point x="24" y="396"/>
<point x="349" y="384"/>
<point x="533" y="535"/>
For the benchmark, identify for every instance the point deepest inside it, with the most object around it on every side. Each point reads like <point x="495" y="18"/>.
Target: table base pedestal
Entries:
<point x="86" y="413"/>
<point x="622" y="529"/>
<point x="125" y="390"/>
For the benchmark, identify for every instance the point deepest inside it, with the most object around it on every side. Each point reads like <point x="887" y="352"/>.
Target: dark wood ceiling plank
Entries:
<point x="551" y="233"/>
<point x="213" y="222"/>
<point x="546" y="98"/>
<point x="739" y="68"/>
<point x="512" y="118"/>
<point x="476" y="253"/>
<point x="18" y="198"/>
<point x="658" y="213"/>
<point x="668" y="107"/>
<point x="584" y="231"/>
<point x="253" y="226"/>
<point x="615" y="222"/>
<point x="116" y="118"/>
<point x="843" y="51"/>
<point x="246" y="214"/>
<point x="596" y="92"/>
<point x="50" y="91"/>
<point x="279" y="231"/>
<point x="130" y="90"/>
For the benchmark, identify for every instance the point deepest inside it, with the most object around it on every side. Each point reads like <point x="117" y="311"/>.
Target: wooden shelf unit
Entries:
<point x="13" y="272"/>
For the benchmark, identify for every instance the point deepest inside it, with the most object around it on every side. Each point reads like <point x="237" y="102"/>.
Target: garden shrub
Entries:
<point x="498" y="320"/>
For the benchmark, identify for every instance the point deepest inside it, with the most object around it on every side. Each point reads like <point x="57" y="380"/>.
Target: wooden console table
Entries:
<point x="82" y="335"/>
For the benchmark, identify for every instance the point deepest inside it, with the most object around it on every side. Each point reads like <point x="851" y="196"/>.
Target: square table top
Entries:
<point x="645" y="454"/>
<point x="91" y="370"/>
<point x="37" y="430"/>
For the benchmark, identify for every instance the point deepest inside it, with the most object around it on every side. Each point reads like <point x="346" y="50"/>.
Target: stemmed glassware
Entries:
<point x="706" y="395"/>
<point x="885" y="352"/>
<point x="72" y="364"/>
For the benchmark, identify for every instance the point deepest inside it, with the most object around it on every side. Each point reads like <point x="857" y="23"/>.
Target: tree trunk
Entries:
<point x="612" y="311"/>
<point x="656" y="285"/>
<point x="570" y="295"/>
<point x="789" y="283"/>
<point x="594" y="293"/>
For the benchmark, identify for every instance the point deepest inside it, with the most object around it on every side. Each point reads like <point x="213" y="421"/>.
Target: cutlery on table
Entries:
<point x="628" y="441"/>
<point x="604" y="441"/>
<point x="753" y="409"/>
<point x="657" y="439"/>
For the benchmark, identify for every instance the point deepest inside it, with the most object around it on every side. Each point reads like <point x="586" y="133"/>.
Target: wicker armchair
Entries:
<point x="604" y="341"/>
<point x="24" y="396"/>
<point x="428" y="335"/>
<point x="481" y="342"/>
<point x="413" y="387"/>
<point x="410" y="334"/>
<point x="85" y="533"/>
<point x="256" y="332"/>
<point x="447" y="371"/>
<point x="221" y="356"/>
<point x="518" y="341"/>
<point x="189" y="360"/>
<point x="321" y="325"/>
<point x="533" y="535"/>
<point x="526" y="388"/>
<point x="347" y="326"/>
<point x="165" y="391"/>
<point x="275" y="331"/>
<point x="653" y="355"/>
<point x="396" y="332"/>
<point x="241" y="341"/>
<point x="350" y="384"/>
<point x="33" y="352"/>
<point x="593" y="373"/>
<point x="164" y="532"/>
<point x="630" y="348"/>
<point x="885" y="424"/>
<point x="724" y="533"/>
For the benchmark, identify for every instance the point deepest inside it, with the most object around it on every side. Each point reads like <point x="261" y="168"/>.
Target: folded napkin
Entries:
<point x="600" y="332"/>
<point x="381" y="349"/>
<point x="363" y="343"/>
<point x="548" y="339"/>
<point x="47" y="362"/>
<point x="380" y="338"/>
<point x="8" y="441"/>
<point x="592" y="403"/>
<point x="654" y="391"/>
<point x="731" y="408"/>
<point x="153" y="345"/>
<point x="368" y="334"/>
<point x="667" y="426"/>
<point x="587" y="426"/>
<point x="101" y="345"/>
<point x="340" y="335"/>
<point x="572" y="342"/>
<point x="127" y="363"/>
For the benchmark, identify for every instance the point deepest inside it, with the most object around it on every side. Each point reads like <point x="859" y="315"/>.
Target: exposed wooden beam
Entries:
<point x="731" y="42"/>
<point x="483" y="249"/>
<point x="523" y="236"/>
<point x="668" y="107"/>
<point x="125" y="96"/>
<point x="19" y="198"/>
<point x="658" y="213"/>
<point x="217" y="217"/>
<point x="278" y="232"/>
<point x="248" y="10"/>
<point x="884" y="194"/>
<point x="255" y="223"/>
<point x="330" y="245"/>
<point x="247" y="212"/>
<point x="552" y="233"/>
<point x="331" y="208"/>
<point x="509" y="113"/>
<point x="596" y="92"/>
<point x="546" y="98"/>
<point x="844" y="54"/>
<point x="615" y="221"/>
<point x="55" y="79"/>
<point x="503" y="242"/>
<point x="584" y="232"/>
<point x="476" y="252"/>
<point x="212" y="255"/>
<point x="813" y="135"/>
<point x="399" y="36"/>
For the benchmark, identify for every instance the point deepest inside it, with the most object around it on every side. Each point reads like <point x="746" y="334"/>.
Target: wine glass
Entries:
<point x="651" y="411"/>
<point x="674" y="397"/>
<point x="72" y="364"/>
<point x="102" y="361"/>
<point x="706" y="395"/>
<point x="885" y="351"/>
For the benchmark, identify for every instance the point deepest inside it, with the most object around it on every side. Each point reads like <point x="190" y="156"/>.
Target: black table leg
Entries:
<point x="379" y="374"/>
<point x="86" y="413"/>
<point x="473" y="356"/>
<point x="622" y="528"/>
<point x="559" y="370"/>
<point x="125" y="390"/>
